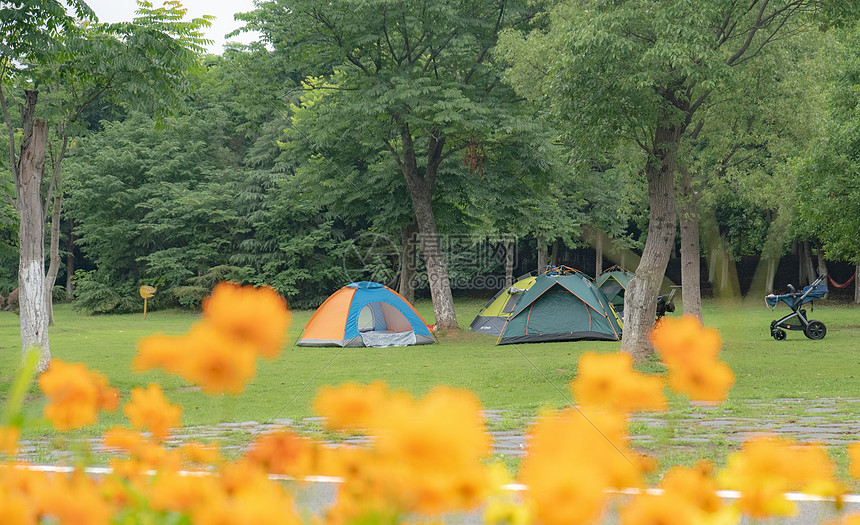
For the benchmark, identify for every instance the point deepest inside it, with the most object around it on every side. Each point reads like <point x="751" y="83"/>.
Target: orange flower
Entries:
<point x="665" y="509"/>
<point x="284" y="453"/>
<point x="702" y="380"/>
<point x="258" y="316"/>
<point x="196" y="452"/>
<point x="690" y="352"/>
<point x="124" y="439"/>
<point x="160" y="351"/>
<point x="848" y="519"/>
<point x="694" y="485"/>
<point x="74" y="500"/>
<point x="149" y="409"/>
<point x="9" y="440"/>
<point x="75" y="394"/>
<point x="16" y="511"/>
<point x="678" y="338"/>
<point x="608" y="380"/>
<point x="572" y="459"/>
<point x="172" y="491"/>
<point x="854" y="457"/>
<point x="351" y="406"/>
<point x="217" y="363"/>
<point x="765" y="468"/>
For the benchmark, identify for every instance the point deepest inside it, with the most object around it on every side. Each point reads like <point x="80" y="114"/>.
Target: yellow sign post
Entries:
<point x="146" y="292"/>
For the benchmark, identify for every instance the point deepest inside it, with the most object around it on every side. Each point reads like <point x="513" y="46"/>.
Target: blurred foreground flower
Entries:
<point x="75" y="394"/>
<point x="854" y="458"/>
<point x="766" y="468"/>
<point x="219" y="353"/>
<point x="150" y="410"/>
<point x="690" y="352"/>
<point x="9" y="440"/>
<point x="609" y="381"/>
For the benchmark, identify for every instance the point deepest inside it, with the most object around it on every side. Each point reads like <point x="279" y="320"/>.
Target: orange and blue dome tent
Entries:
<point x="366" y="314"/>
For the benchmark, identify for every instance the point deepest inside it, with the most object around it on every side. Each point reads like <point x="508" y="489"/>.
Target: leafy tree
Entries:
<point x="44" y="46"/>
<point x="416" y="76"/>
<point x="829" y="176"/>
<point x="640" y="71"/>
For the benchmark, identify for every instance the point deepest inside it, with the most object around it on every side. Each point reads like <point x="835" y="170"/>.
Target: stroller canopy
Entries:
<point x="793" y="300"/>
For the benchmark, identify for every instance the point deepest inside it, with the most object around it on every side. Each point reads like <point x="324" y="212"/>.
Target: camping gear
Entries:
<point x="795" y="300"/>
<point x="491" y="319"/>
<point x="666" y="303"/>
<point x="613" y="282"/>
<point x="562" y="305"/>
<point x="365" y="314"/>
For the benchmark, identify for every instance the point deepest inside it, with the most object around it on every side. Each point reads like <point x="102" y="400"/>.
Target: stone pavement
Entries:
<point x="832" y="421"/>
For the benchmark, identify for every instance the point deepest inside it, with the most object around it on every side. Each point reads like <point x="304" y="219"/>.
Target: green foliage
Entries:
<point x="828" y="189"/>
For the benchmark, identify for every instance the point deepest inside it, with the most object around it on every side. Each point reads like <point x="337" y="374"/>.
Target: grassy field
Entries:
<point x="518" y="379"/>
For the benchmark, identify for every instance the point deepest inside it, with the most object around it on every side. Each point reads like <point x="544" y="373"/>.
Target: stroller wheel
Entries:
<point x="778" y="334"/>
<point x="816" y="330"/>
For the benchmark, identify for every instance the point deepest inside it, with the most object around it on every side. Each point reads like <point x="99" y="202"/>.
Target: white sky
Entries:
<point x="223" y="10"/>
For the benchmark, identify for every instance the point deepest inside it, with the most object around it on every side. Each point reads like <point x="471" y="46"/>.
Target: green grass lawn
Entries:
<point x="519" y="379"/>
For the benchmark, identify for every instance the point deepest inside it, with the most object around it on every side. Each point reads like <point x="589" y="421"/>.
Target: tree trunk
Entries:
<point x="70" y="263"/>
<point x="598" y="255"/>
<point x="822" y="265"/>
<point x="640" y="300"/>
<point x="806" y="265"/>
<point x="437" y="269"/>
<point x="54" y="265"/>
<point x="691" y="293"/>
<point x="31" y="268"/>
<point x="554" y="257"/>
<point x="857" y="284"/>
<point x="407" y="261"/>
<point x="421" y="193"/>
<point x="541" y="253"/>
<point x="771" y="275"/>
<point x="509" y="262"/>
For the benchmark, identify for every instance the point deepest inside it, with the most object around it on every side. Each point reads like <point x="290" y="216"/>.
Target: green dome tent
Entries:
<point x="561" y="308"/>
<point x="613" y="283"/>
<point x="491" y="319"/>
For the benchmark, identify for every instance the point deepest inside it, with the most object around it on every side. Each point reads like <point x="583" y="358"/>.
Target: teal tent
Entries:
<point x="613" y="283"/>
<point x="561" y="308"/>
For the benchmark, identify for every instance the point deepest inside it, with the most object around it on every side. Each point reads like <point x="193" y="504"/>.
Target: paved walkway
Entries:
<point x="833" y="421"/>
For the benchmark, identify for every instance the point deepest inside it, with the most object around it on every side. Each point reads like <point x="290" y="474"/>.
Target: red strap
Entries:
<point x="843" y="285"/>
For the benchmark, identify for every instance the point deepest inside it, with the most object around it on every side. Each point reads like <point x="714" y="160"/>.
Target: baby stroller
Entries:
<point x="795" y="300"/>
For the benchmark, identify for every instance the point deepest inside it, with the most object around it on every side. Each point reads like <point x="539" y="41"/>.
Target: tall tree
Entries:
<point x="44" y="46"/>
<point x="640" y="71"/>
<point x="415" y="76"/>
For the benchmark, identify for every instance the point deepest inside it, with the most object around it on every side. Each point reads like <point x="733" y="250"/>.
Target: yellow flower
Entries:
<point x="217" y="363"/>
<point x="124" y="439"/>
<point x="848" y="519"/>
<point x="258" y="316"/>
<point x="284" y="453"/>
<point x="572" y="459"/>
<point x="160" y="351"/>
<point x="75" y="394"/>
<point x="196" y="452"/>
<point x="172" y="491"/>
<point x="854" y="457"/>
<point x="351" y="406"/>
<point x="150" y="410"/>
<point x="503" y="512"/>
<point x="690" y="352"/>
<point x="701" y="380"/>
<point x="765" y="468"/>
<point x="74" y="500"/>
<point x="9" y="440"/>
<point x="15" y="511"/>
<point x="694" y="485"/>
<point x="608" y="380"/>
<point x="665" y="509"/>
